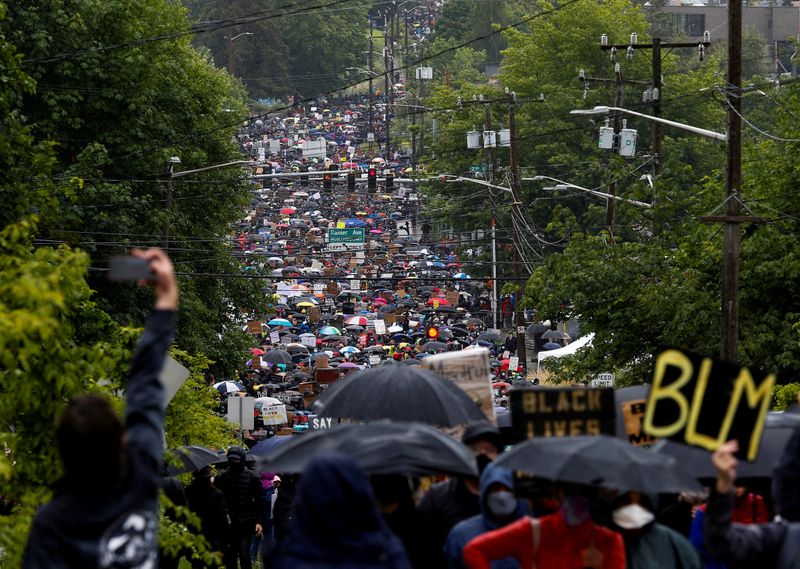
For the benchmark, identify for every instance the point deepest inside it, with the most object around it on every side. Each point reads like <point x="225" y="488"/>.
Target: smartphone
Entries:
<point x="129" y="269"/>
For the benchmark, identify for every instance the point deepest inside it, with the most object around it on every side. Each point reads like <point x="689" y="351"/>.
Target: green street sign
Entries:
<point x="348" y="235"/>
<point x="476" y="168"/>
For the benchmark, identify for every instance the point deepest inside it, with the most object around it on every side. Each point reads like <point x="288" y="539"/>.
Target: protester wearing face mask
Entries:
<point x="457" y="499"/>
<point x="499" y="507"/>
<point x="650" y="545"/>
<point x="568" y="539"/>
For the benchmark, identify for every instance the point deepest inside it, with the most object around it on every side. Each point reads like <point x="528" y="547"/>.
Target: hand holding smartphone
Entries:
<point x="129" y="269"/>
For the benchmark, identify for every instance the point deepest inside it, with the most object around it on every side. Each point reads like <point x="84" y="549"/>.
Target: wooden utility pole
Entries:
<point x="371" y="94"/>
<point x="619" y="101"/>
<point x="387" y="43"/>
<point x="733" y="187"/>
<point x="516" y="222"/>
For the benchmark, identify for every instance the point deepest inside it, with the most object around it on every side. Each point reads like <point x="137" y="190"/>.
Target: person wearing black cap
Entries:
<point x="457" y="499"/>
<point x="242" y="490"/>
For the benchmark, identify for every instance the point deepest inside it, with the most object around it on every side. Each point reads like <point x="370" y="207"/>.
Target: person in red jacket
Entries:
<point x="567" y="539"/>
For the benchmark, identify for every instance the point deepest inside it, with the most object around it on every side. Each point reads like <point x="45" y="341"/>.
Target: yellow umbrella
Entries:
<point x="306" y="304"/>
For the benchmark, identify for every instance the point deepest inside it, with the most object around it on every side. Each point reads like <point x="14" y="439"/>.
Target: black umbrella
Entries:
<point x="375" y="350"/>
<point x="277" y="357"/>
<point x="434" y="347"/>
<point x="400" y="393"/>
<point x="599" y="461"/>
<point x="555" y="335"/>
<point x="192" y="458"/>
<point x="458" y="331"/>
<point x="698" y="460"/>
<point x="409" y="449"/>
<point x="490" y="336"/>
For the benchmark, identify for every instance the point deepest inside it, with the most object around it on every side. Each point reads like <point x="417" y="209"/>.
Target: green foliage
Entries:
<point x="191" y="418"/>
<point x="118" y="112"/>
<point x="784" y="396"/>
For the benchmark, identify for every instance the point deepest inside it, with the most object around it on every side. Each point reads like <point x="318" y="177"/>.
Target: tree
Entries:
<point x="137" y="96"/>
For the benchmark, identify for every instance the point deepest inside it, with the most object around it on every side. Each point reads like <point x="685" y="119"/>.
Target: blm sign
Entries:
<point x="561" y="412"/>
<point x="702" y="402"/>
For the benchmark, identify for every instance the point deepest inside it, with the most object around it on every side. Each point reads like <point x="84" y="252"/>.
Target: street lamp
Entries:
<point x="230" y="49"/>
<point x="562" y="185"/>
<point x="602" y="110"/>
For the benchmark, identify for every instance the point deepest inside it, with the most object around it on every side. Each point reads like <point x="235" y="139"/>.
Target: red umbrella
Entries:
<point x="440" y="299"/>
<point x="380" y="300"/>
<point x="257" y="351"/>
<point x="288" y="210"/>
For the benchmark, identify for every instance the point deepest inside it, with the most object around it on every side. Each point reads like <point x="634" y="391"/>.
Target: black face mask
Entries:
<point x="483" y="462"/>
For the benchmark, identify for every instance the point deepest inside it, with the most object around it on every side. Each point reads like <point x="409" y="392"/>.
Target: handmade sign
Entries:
<point x="275" y="337"/>
<point x="633" y="415"/>
<point x="274" y="415"/>
<point x="704" y="403"/>
<point x="469" y="370"/>
<point x="254" y="327"/>
<point x="562" y="412"/>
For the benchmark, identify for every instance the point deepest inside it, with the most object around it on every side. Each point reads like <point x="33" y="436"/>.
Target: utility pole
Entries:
<point x="654" y="95"/>
<point x="369" y="106"/>
<point x="387" y="43"/>
<point x="516" y="219"/>
<point x="619" y="93"/>
<point x="168" y="200"/>
<point x="487" y="126"/>
<point x="733" y="187"/>
<point x="230" y="54"/>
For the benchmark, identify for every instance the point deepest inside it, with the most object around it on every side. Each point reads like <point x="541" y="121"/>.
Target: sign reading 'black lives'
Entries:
<point x="702" y="402"/>
<point x="562" y="412"/>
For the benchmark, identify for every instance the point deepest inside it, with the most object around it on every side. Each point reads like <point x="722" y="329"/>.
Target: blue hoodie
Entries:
<point x="466" y="530"/>
<point x="337" y="523"/>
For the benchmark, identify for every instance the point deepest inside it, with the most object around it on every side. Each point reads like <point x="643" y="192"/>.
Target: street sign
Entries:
<point x="240" y="411"/>
<point x="603" y="380"/>
<point x="476" y="168"/>
<point x="346" y="235"/>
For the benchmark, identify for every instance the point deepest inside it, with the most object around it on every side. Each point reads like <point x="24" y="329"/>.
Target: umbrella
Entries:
<point x="279" y="322"/>
<point x="599" y="461"/>
<point x="380" y="448"/>
<point x="434" y="347"/>
<point x="547" y="346"/>
<point x="356" y="321"/>
<point x="350" y="350"/>
<point x="288" y="210"/>
<point x="490" y="336"/>
<point x="268" y="445"/>
<point x="226" y="387"/>
<point x="555" y="335"/>
<point x="698" y="460"/>
<point x="192" y="458"/>
<point x="399" y="393"/>
<point x="329" y="331"/>
<point x="257" y="351"/>
<point x="296" y="348"/>
<point x="265" y="402"/>
<point x="277" y="357"/>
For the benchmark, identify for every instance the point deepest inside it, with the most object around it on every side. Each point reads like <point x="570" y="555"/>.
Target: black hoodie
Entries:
<point x="118" y="527"/>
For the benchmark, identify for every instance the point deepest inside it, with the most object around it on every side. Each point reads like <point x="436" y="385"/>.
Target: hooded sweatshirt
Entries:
<point x="472" y="527"/>
<point x="336" y="522"/>
<point x="117" y="527"/>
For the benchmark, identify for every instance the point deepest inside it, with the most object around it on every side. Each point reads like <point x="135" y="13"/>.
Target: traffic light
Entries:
<point x="304" y="179"/>
<point x="389" y="181"/>
<point x="372" y="179"/>
<point x="433" y="333"/>
<point x="351" y="180"/>
<point x="327" y="180"/>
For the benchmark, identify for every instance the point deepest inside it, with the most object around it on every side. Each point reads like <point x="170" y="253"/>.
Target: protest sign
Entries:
<point x="561" y="412"/>
<point x="275" y="337"/>
<point x="374" y="360"/>
<point x="633" y="416"/>
<point x="309" y="341"/>
<point x="240" y="411"/>
<point x="513" y="363"/>
<point x="452" y="297"/>
<point x="469" y="370"/>
<point x="172" y="377"/>
<point x="254" y="327"/>
<point x="704" y="403"/>
<point x="274" y="415"/>
<point x="314" y="314"/>
<point x="380" y="326"/>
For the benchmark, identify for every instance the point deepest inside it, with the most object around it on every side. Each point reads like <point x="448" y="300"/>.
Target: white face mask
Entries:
<point x="501" y="504"/>
<point x="632" y="516"/>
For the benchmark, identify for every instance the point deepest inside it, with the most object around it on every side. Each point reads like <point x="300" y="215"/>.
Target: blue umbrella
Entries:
<point x="279" y="322"/>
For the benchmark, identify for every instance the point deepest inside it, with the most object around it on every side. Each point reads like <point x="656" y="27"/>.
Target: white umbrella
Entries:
<point x="226" y="387"/>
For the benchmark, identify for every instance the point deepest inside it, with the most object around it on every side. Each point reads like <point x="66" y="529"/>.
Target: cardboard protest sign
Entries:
<point x="633" y="416"/>
<point x="513" y="363"/>
<point x="275" y="337"/>
<point x="452" y="297"/>
<point x="314" y="314"/>
<point x="274" y="415"/>
<point x="309" y="341"/>
<point x="562" y="412"/>
<point x="704" y="403"/>
<point x="254" y="327"/>
<point x="469" y="370"/>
